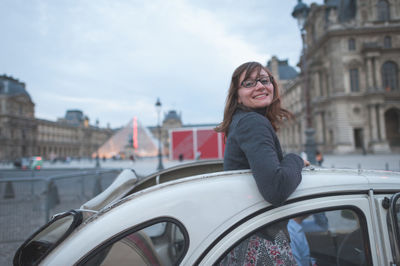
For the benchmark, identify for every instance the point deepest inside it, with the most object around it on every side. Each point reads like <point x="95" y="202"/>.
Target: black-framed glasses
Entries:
<point x="249" y="83"/>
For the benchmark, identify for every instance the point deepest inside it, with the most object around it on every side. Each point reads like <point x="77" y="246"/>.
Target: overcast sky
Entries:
<point x="113" y="58"/>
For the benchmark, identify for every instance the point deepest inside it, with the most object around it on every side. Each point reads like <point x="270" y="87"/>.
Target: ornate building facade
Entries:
<point x="353" y="59"/>
<point x="18" y="128"/>
<point x="22" y="135"/>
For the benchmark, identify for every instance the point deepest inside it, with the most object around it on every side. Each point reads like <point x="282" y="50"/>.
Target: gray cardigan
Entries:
<point x="253" y="144"/>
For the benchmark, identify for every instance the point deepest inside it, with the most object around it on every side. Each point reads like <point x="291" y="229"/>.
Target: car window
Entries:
<point x="162" y="243"/>
<point x="334" y="237"/>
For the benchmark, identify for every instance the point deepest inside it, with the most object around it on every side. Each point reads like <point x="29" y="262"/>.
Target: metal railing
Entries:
<point x="27" y="203"/>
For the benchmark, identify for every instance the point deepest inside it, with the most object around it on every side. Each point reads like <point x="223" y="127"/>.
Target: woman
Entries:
<point x="251" y="117"/>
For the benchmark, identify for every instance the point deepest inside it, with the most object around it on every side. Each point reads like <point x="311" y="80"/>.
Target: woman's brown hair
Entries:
<point x="275" y="113"/>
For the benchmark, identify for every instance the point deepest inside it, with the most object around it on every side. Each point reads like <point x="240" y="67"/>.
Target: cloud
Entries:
<point x="112" y="59"/>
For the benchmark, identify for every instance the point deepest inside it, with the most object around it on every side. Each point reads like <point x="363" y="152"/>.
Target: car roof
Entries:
<point x="208" y="204"/>
<point x="129" y="182"/>
<point x="315" y="181"/>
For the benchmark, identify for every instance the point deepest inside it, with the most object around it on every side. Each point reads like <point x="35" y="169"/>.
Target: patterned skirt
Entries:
<point x="257" y="250"/>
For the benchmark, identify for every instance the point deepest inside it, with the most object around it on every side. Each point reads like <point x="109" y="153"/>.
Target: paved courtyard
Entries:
<point x="149" y="165"/>
<point x="377" y="161"/>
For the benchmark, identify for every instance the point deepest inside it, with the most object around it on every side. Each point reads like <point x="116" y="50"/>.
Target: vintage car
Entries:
<point x="197" y="214"/>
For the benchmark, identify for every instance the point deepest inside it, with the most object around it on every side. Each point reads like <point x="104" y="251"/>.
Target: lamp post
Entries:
<point x="97" y="157"/>
<point x="158" y="108"/>
<point x="300" y="12"/>
<point x="97" y="160"/>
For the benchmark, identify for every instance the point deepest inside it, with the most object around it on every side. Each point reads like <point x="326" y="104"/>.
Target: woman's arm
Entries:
<point x="275" y="179"/>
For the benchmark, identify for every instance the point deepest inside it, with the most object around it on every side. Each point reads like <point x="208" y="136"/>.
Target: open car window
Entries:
<point x="162" y="243"/>
<point x="178" y="172"/>
<point x="333" y="237"/>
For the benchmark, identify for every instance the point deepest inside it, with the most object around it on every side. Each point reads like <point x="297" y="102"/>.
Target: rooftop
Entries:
<point x="11" y="86"/>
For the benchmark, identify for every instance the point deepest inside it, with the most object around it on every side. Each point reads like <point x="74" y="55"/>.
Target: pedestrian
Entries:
<point x="251" y="118"/>
<point x="319" y="158"/>
<point x="297" y="228"/>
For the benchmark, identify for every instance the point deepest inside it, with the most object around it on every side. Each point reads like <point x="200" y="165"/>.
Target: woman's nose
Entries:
<point x="259" y="85"/>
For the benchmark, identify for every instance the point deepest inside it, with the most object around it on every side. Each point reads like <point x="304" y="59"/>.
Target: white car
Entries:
<point x="170" y="219"/>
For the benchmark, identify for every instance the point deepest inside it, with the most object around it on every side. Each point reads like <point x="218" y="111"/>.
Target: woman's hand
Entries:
<point x="306" y="163"/>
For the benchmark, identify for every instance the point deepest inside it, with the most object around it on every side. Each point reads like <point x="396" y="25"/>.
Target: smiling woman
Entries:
<point x="251" y="117"/>
<point x="255" y="96"/>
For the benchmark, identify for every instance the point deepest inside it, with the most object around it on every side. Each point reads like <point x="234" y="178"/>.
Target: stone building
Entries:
<point x="69" y="137"/>
<point x="18" y="127"/>
<point x="290" y="133"/>
<point x="352" y="59"/>
<point x="22" y="135"/>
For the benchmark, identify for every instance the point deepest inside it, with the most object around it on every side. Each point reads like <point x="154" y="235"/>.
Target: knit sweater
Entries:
<point x="253" y="144"/>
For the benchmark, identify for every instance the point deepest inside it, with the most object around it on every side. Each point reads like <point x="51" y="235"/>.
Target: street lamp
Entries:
<point x="300" y="12"/>
<point x="158" y="108"/>
<point x="97" y="159"/>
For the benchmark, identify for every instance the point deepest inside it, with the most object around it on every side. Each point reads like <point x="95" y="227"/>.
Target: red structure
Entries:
<point x="196" y="143"/>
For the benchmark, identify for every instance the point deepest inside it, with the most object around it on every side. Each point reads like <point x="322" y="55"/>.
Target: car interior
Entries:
<point x="334" y="237"/>
<point x="162" y="243"/>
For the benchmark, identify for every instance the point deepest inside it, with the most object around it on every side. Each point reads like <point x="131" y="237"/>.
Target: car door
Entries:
<point x="388" y="216"/>
<point x="331" y="230"/>
<point x="394" y="226"/>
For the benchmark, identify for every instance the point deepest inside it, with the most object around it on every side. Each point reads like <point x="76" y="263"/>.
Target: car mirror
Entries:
<point x="36" y="247"/>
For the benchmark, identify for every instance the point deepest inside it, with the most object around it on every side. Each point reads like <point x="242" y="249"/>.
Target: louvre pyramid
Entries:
<point x="121" y="143"/>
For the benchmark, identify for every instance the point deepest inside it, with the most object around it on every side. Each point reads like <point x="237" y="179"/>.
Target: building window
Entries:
<point x="322" y="89"/>
<point x="327" y="84"/>
<point x="352" y="45"/>
<point x="383" y="10"/>
<point x="387" y="42"/>
<point x="314" y="34"/>
<point x="390" y="76"/>
<point x="330" y="140"/>
<point x="354" y="86"/>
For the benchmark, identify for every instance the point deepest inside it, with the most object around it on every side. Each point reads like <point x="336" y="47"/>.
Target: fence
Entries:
<point x="28" y="203"/>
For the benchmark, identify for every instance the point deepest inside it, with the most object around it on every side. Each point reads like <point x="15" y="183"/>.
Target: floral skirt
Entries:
<point x="257" y="250"/>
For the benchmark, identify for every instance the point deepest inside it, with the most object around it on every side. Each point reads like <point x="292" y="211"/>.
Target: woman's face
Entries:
<point x="257" y="91"/>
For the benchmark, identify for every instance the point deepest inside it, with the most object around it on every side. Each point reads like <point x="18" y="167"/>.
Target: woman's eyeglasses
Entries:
<point x="249" y="83"/>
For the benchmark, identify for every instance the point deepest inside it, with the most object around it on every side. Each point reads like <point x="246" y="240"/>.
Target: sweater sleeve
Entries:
<point x="275" y="179"/>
